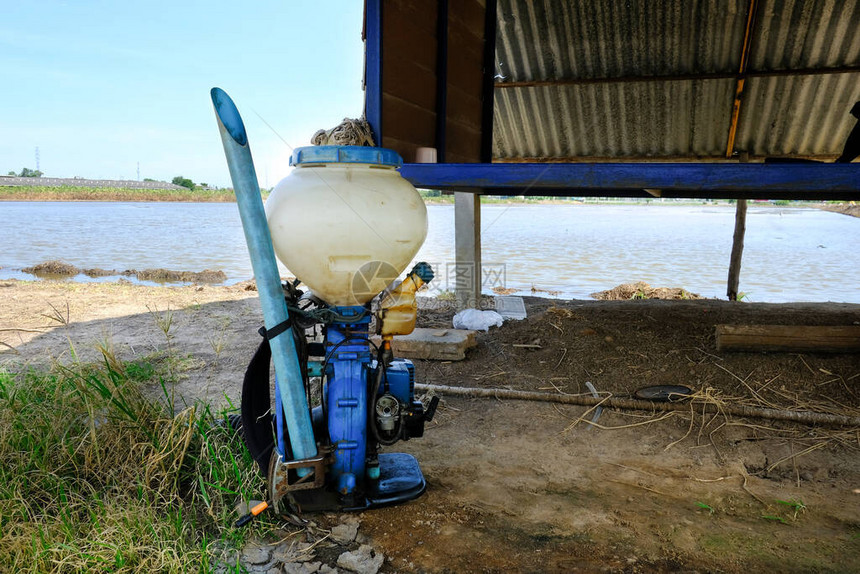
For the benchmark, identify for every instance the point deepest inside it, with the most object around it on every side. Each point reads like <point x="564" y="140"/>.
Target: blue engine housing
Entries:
<point x="362" y="411"/>
<point x="401" y="380"/>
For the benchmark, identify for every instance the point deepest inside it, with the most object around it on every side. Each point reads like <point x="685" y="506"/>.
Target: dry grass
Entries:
<point x="711" y="411"/>
<point x="642" y="290"/>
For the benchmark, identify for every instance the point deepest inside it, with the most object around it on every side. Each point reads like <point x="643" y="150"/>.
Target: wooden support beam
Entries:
<point x="741" y="79"/>
<point x="789" y="338"/>
<point x="791" y="73"/>
<point x="442" y="81"/>
<point x="737" y="250"/>
<point x="467" y="249"/>
<point x="488" y="92"/>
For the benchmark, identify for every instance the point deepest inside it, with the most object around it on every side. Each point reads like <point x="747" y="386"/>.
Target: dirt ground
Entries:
<point x="529" y="487"/>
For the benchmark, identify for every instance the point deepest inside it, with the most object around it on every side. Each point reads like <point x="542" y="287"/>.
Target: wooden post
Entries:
<point x="467" y="249"/>
<point x="737" y="250"/>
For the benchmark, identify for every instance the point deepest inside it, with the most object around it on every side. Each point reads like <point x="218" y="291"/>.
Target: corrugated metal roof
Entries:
<point x="797" y="116"/>
<point x="615" y="40"/>
<point x="647" y="119"/>
<point x="793" y="34"/>
<point x="555" y="39"/>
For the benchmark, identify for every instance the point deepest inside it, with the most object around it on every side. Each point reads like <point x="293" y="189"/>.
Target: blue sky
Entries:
<point x="99" y="86"/>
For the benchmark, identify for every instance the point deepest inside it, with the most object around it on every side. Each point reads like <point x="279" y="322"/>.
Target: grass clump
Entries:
<point x="96" y="478"/>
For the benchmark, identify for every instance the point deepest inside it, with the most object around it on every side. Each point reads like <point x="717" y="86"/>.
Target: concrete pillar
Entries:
<point x="467" y="249"/>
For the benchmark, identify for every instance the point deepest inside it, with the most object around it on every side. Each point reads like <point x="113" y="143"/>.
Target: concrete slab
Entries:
<point x="511" y="307"/>
<point x="433" y="344"/>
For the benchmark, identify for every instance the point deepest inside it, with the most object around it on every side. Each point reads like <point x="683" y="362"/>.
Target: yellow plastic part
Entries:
<point x="399" y="309"/>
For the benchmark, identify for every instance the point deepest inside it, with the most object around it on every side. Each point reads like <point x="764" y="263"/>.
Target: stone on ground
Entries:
<point x="361" y="561"/>
<point x="433" y="344"/>
<point x="256" y="555"/>
<point x="344" y="533"/>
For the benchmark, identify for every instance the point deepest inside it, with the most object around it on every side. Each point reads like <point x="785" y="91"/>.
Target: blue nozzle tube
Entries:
<point x="259" y="240"/>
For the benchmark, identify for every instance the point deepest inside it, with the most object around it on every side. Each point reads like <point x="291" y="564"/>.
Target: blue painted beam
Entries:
<point x="727" y="180"/>
<point x="373" y="67"/>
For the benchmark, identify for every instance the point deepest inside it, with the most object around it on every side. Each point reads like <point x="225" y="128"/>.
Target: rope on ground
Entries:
<point x="806" y="417"/>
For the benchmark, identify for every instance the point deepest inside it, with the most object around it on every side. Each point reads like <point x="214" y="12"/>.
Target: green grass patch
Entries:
<point x="96" y="478"/>
<point x="704" y="506"/>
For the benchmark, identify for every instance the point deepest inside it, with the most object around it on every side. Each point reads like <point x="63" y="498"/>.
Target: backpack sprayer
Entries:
<point x="346" y="224"/>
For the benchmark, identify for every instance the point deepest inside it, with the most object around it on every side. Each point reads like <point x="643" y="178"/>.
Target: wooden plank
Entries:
<point x="420" y="13"/>
<point x="789" y="338"/>
<point x="410" y="83"/>
<point x="403" y="118"/>
<point x="469" y="14"/>
<point x="465" y="62"/>
<point x="464" y="141"/>
<point x="407" y="41"/>
<point x="456" y="158"/>
<point x="464" y="108"/>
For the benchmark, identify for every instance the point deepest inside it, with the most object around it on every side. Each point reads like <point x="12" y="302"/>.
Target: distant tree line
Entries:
<point x="27" y="172"/>
<point x="186" y="182"/>
<point x="183" y="182"/>
<point x="178" y="180"/>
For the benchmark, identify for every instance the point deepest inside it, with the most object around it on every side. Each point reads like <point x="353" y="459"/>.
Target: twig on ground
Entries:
<point x="807" y="417"/>
<point x="749" y="388"/>
<point x="745" y="476"/>
<point x="554" y="386"/>
<point x="806" y="364"/>
<point x="490" y="376"/>
<point x="686" y="434"/>
<point x="563" y="355"/>
<point x="649" y="489"/>
<point x="639" y="424"/>
<point x="795" y="455"/>
<point x="709" y="354"/>
<point x="634" y="469"/>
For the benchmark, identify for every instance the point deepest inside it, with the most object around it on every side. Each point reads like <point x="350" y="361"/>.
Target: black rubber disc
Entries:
<point x="664" y="393"/>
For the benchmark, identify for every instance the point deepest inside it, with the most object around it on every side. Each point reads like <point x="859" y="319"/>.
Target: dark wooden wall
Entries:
<point x="465" y="79"/>
<point x="412" y="100"/>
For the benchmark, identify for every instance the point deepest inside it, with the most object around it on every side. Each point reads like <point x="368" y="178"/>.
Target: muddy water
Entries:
<point x="574" y="250"/>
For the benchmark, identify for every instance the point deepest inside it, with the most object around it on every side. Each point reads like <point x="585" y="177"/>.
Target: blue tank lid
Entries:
<point x="345" y="154"/>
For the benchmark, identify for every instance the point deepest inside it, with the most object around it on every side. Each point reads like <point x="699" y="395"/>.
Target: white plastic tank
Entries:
<point x="345" y="222"/>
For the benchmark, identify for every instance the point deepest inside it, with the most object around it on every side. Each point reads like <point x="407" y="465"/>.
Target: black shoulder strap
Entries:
<point x="256" y="415"/>
<point x="270" y="334"/>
